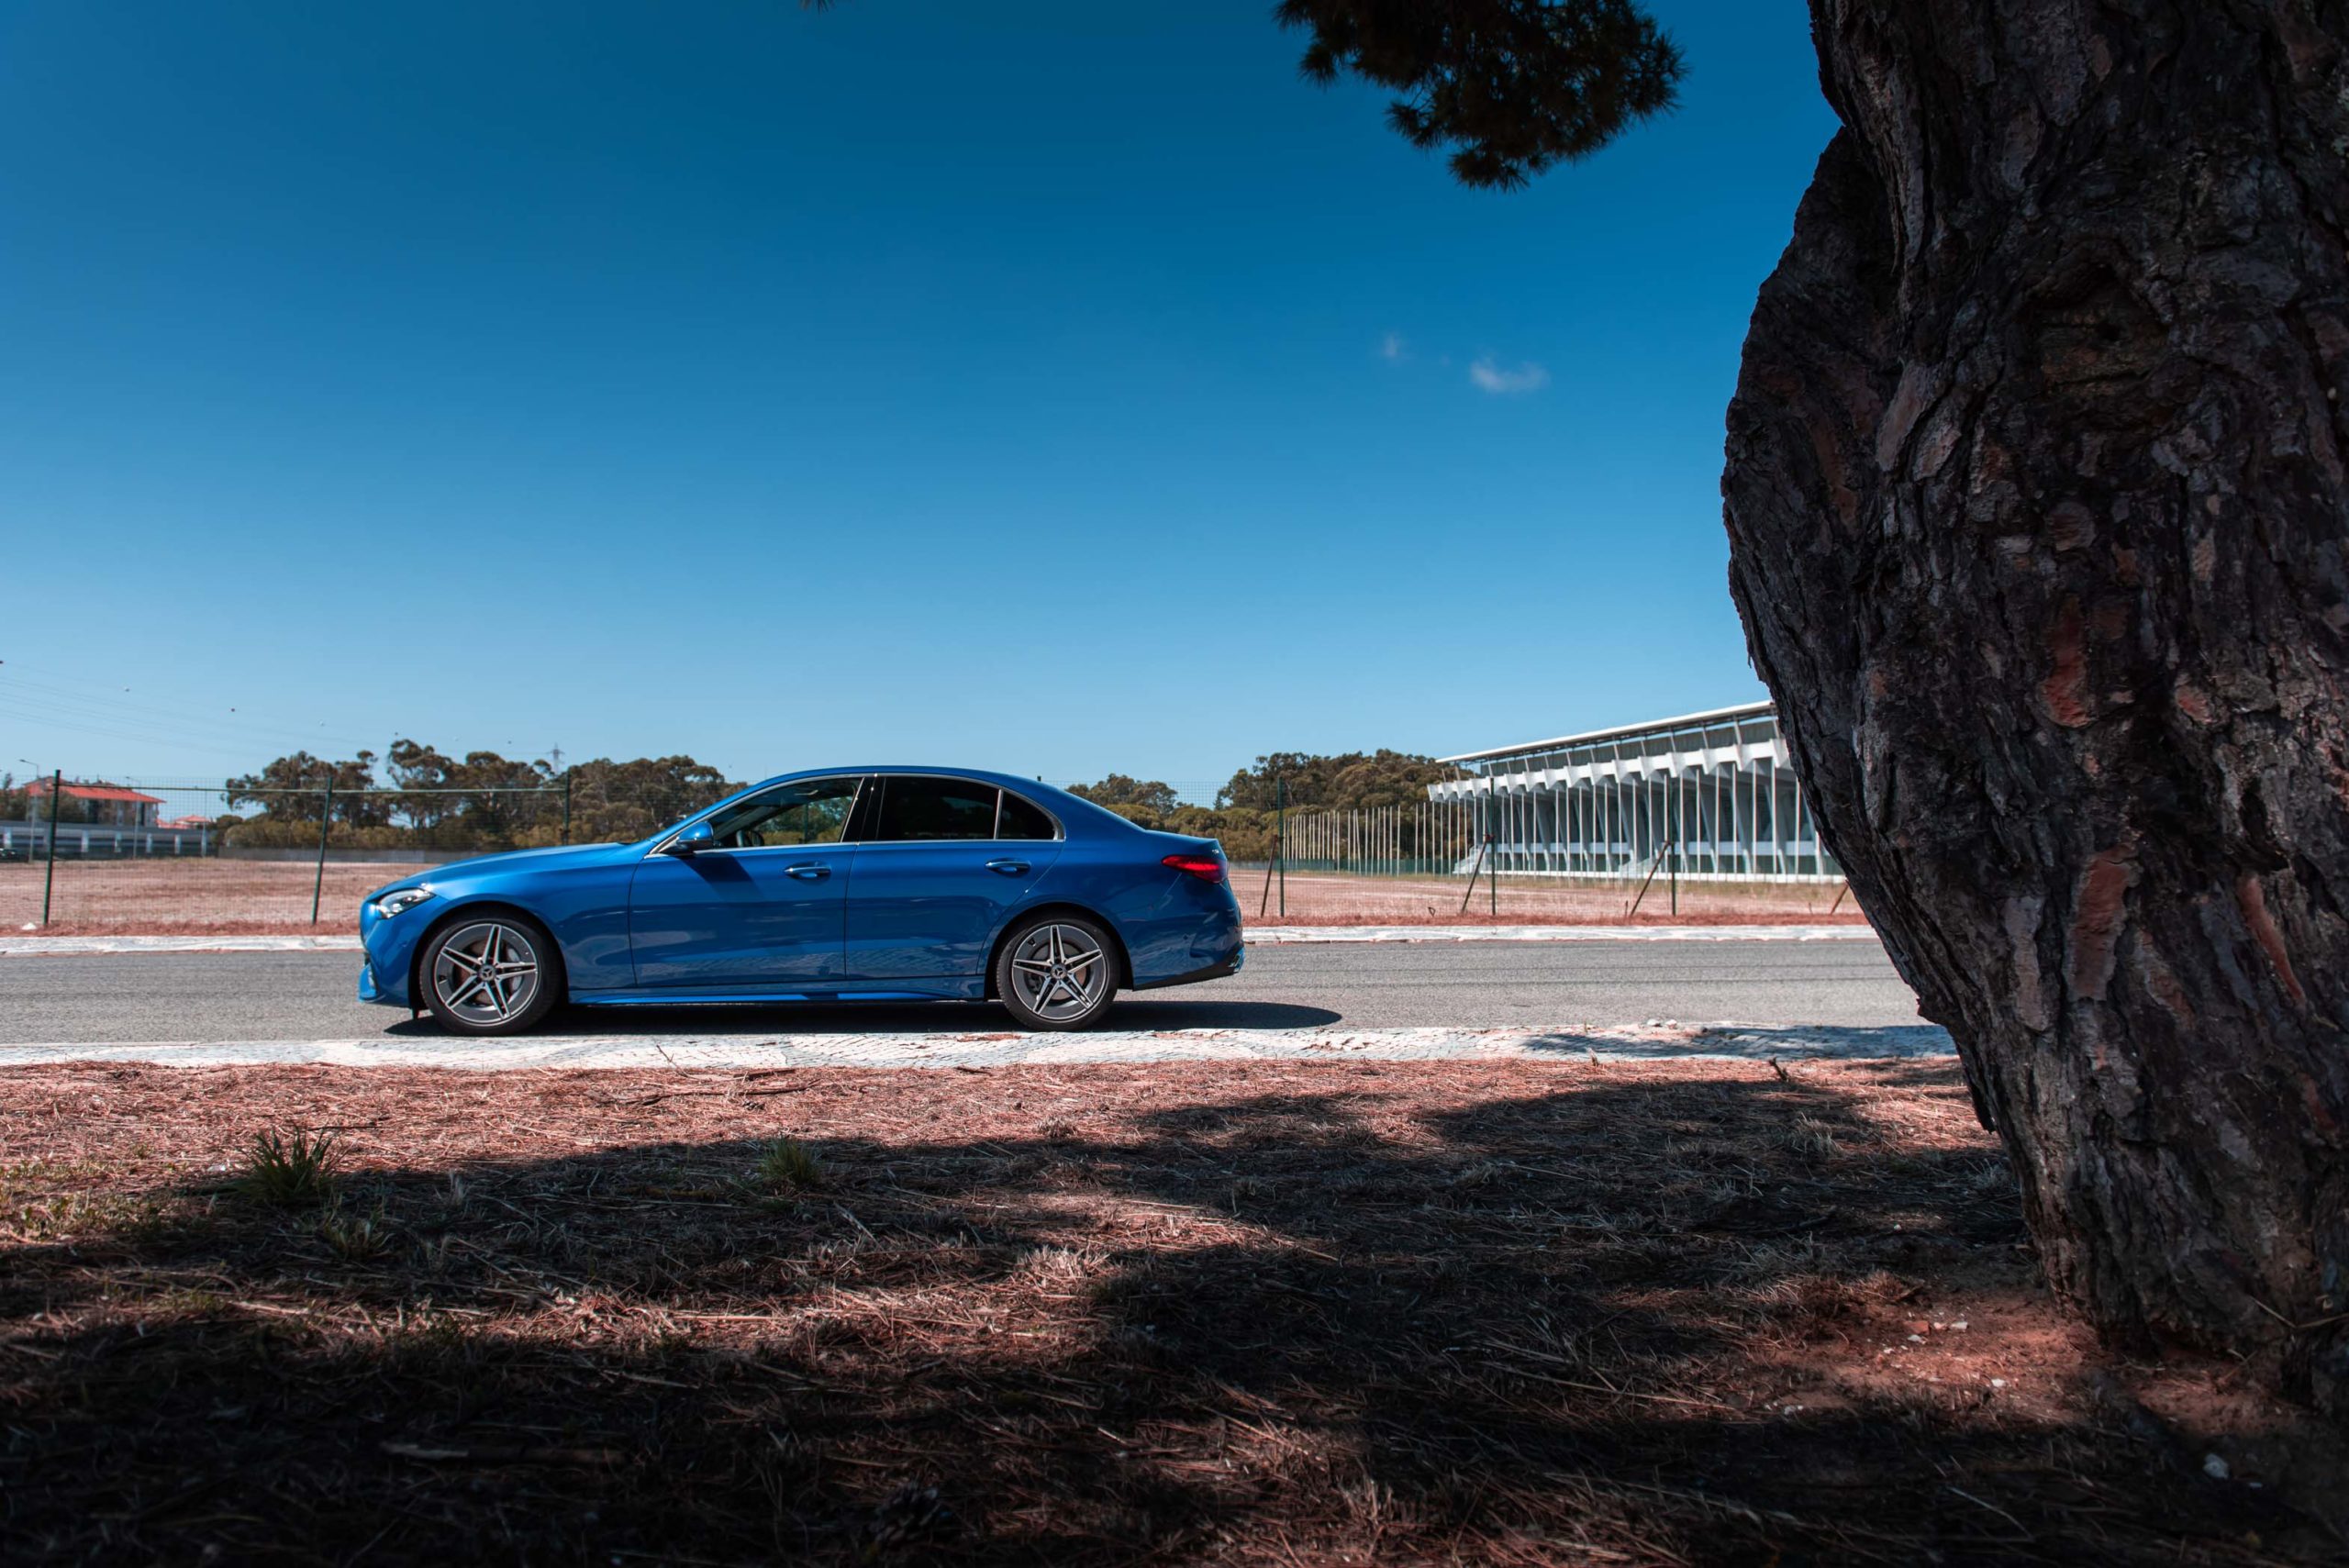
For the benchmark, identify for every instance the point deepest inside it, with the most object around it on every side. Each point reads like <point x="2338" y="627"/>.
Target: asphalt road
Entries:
<point x="256" y="996"/>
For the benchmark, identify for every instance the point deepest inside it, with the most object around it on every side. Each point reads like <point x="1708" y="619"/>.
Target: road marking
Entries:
<point x="1751" y="1042"/>
<point x="1258" y="936"/>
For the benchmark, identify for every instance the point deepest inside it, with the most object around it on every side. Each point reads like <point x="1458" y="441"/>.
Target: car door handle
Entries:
<point x="811" y="871"/>
<point x="1009" y="868"/>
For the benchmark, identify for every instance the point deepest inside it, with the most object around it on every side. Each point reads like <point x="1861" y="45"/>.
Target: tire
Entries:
<point x="525" y="986"/>
<point x="1057" y="972"/>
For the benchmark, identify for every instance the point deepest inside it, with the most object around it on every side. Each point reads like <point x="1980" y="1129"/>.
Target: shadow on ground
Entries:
<point x="1239" y="1312"/>
<point x="781" y="1021"/>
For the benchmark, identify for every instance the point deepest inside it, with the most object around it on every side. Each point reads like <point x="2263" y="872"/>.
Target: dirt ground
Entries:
<point x="1262" y="1313"/>
<point x="164" y="896"/>
<point x="1324" y="899"/>
<point x="167" y="897"/>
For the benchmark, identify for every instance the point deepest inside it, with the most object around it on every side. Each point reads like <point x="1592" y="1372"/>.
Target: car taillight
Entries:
<point x="1207" y="868"/>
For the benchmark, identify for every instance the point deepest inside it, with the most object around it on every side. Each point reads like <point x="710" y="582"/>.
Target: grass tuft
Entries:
<point x="289" y="1170"/>
<point x="1812" y="1138"/>
<point x="354" y="1238"/>
<point x="788" y="1165"/>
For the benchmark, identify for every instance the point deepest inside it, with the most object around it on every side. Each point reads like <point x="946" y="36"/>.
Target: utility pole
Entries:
<point x="325" y="824"/>
<point x="49" y="877"/>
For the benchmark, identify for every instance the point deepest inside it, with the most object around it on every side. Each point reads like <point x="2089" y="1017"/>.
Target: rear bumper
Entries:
<point x="1229" y="964"/>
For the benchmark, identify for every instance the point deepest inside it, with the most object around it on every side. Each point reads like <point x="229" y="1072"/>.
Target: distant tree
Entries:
<point x="1151" y="800"/>
<point x="293" y="789"/>
<point x="1350" y="781"/>
<point x="619" y="802"/>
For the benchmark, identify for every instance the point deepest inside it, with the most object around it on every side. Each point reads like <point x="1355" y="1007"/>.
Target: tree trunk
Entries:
<point x="2036" y="501"/>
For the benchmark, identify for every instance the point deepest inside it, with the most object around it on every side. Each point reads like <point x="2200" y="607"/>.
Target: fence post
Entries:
<point x="326" y="825"/>
<point x="566" y="809"/>
<point x="48" y="878"/>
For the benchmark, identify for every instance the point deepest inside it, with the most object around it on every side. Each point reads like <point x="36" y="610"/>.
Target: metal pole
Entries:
<point x="326" y="821"/>
<point x="48" y="878"/>
<point x="566" y="809"/>
<point x="1280" y="840"/>
<point x="1493" y="882"/>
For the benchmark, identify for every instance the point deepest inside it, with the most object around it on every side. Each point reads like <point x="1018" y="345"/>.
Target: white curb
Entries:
<point x="1275" y="935"/>
<point x="1258" y="936"/>
<point x="1751" y="1042"/>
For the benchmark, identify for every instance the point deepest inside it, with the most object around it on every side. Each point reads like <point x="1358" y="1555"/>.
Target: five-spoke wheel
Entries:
<point x="493" y="975"/>
<point x="1058" y="973"/>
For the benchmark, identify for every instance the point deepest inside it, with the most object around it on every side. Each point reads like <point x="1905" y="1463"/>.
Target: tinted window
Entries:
<point x="813" y="811"/>
<point x="1023" y="819"/>
<point x="935" y="808"/>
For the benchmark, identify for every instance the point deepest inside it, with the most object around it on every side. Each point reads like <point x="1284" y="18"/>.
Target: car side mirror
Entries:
<point x="695" y="837"/>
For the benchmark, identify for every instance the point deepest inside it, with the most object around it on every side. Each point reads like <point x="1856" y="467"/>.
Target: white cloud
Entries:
<point x="1392" y="350"/>
<point x="1493" y="378"/>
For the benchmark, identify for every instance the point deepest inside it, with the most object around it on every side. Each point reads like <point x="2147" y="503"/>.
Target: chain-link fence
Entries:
<point x="192" y="857"/>
<point x="187" y="857"/>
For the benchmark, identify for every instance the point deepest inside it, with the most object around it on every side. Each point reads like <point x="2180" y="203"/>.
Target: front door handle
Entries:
<point x="1009" y="868"/>
<point x="811" y="871"/>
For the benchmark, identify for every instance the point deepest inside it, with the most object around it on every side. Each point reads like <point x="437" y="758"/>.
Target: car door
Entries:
<point x="762" y="907"/>
<point x="939" y="862"/>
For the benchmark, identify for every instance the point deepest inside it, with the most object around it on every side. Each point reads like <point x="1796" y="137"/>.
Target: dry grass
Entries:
<point x="199" y="898"/>
<point x="1527" y="1312"/>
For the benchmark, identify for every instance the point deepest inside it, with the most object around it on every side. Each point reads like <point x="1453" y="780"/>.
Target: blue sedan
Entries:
<point x="835" y="885"/>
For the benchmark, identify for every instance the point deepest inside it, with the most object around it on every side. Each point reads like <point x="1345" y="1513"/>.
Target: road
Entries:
<point x="281" y="996"/>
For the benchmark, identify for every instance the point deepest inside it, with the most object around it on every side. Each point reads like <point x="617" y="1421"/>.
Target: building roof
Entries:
<point x="1622" y="731"/>
<point x="96" y="792"/>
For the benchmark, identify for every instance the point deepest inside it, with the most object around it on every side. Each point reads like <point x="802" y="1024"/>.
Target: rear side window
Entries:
<point x="1023" y="819"/>
<point x="922" y="808"/>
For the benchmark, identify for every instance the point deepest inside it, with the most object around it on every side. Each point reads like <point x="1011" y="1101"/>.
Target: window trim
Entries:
<point x="863" y="785"/>
<point x="866" y="831"/>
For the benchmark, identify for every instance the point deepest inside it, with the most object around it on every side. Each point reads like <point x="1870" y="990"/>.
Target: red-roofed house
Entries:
<point x="108" y="805"/>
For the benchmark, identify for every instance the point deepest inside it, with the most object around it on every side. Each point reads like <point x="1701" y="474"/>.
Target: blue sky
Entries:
<point x="1056" y="387"/>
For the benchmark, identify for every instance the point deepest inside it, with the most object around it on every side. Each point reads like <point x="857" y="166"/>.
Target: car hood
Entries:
<point x="511" y="860"/>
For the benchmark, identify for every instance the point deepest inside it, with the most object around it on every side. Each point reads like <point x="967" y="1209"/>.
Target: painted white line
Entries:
<point x="1260" y="936"/>
<point x="1271" y="936"/>
<point x="43" y="947"/>
<point x="1710" y="1041"/>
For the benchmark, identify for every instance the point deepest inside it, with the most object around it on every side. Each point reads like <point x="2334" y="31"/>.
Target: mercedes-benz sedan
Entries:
<point x="837" y="886"/>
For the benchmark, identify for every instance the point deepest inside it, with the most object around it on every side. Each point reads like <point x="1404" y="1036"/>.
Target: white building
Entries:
<point x="1717" y="786"/>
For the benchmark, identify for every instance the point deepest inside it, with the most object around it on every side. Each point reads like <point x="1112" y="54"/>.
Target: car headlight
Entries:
<point x="391" y="904"/>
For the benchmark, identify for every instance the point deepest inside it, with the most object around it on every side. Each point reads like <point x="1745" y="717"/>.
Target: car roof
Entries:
<point x="1061" y="800"/>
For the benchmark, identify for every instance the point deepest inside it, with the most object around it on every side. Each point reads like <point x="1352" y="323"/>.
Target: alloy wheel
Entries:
<point x="486" y="974"/>
<point x="1059" y="972"/>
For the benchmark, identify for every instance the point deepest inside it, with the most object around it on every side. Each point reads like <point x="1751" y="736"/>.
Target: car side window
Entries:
<point x="931" y="809"/>
<point x="1023" y="819"/>
<point x="811" y="811"/>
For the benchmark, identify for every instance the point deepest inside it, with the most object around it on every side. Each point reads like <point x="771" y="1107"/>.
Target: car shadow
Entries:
<point x="899" y="1019"/>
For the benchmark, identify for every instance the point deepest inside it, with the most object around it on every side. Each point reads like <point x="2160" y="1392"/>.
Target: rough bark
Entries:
<point x="2037" y="508"/>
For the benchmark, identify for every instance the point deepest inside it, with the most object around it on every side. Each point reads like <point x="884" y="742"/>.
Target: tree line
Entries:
<point x="413" y="795"/>
<point x="1246" y="807"/>
<point x="416" y="797"/>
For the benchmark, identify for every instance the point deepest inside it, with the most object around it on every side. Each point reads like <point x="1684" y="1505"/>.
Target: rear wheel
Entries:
<point x="497" y="974"/>
<point x="1059" y="971"/>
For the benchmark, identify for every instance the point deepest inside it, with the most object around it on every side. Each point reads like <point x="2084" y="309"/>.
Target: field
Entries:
<point x="215" y="896"/>
<point x="1518" y="1313"/>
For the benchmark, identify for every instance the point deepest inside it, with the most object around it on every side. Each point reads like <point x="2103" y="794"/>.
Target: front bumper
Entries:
<point x="390" y="945"/>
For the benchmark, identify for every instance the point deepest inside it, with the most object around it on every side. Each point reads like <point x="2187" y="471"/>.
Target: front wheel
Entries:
<point x="493" y="975"/>
<point x="1058" y="971"/>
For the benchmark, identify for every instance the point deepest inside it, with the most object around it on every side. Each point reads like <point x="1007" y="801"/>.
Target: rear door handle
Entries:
<point x="811" y="871"/>
<point x="1009" y="868"/>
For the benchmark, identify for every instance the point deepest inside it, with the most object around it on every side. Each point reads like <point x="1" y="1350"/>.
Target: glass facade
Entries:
<point x="1717" y="788"/>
